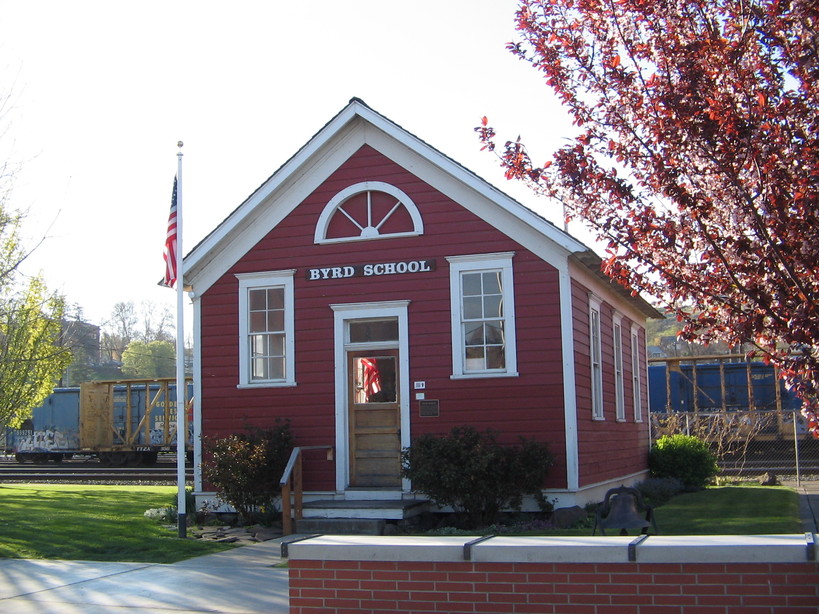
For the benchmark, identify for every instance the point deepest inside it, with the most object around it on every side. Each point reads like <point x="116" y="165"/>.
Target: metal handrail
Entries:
<point x="292" y="473"/>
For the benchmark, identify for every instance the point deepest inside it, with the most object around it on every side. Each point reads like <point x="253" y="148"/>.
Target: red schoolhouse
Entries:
<point x="372" y="289"/>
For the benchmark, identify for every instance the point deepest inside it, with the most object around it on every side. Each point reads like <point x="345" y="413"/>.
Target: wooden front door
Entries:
<point x="375" y="418"/>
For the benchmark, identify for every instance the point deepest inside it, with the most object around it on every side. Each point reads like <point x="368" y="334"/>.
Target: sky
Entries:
<point x="97" y="95"/>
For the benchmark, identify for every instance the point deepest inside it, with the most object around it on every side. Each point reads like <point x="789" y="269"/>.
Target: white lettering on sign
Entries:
<point x="371" y="270"/>
<point x="336" y="272"/>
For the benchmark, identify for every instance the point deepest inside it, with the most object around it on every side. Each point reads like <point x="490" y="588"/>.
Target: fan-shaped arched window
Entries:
<point x="368" y="210"/>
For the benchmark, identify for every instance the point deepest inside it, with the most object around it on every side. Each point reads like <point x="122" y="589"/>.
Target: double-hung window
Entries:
<point x="266" y="329"/>
<point x="596" y="356"/>
<point x="619" y="376"/>
<point x="635" y="373"/>
<point x="483" y="315"/>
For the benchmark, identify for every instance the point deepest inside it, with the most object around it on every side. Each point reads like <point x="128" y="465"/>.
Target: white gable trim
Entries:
<point x="262" y="212"/>
<point x="569" y="381"/>
<point x="354" y="127"/>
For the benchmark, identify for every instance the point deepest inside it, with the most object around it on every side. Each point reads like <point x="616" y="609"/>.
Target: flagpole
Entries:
<point x="181" y="389"/>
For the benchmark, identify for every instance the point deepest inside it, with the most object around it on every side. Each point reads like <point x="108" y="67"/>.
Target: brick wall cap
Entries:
<point x="534" y="549"/>
<point x="380" y="548"/>
<point x="723" y="549"/>
<point x="579" y="549"/>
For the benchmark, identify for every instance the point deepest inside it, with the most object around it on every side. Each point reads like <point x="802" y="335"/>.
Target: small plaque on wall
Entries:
<point x="429" y="408"/>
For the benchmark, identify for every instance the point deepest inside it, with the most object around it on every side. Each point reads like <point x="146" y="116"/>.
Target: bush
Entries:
<point x="475" y="475"/>
<point x="245" y="468"/>
<point x="684" y="457"/>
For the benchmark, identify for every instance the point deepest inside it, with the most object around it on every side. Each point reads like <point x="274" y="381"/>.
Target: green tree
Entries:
<point x="31" y="356"/>
<point x="149" y="360"/>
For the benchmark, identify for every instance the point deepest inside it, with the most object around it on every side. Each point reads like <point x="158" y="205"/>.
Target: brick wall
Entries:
<point x="344" y="578"/>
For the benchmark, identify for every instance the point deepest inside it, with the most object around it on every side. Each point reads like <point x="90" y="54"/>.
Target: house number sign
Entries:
<point x="372" y="270"/>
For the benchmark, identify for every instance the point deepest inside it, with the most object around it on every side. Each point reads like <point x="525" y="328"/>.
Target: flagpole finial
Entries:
<point x="180" y="144"/>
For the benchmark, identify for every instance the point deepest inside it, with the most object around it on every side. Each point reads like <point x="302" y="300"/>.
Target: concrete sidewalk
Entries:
<point x="239" y="581"/>
<point x="808" y="502"/>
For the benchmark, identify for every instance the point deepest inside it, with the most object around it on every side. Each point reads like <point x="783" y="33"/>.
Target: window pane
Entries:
<point x="474" y="359"/>
<point x="374" y="330"/>
<point x="276" y="345"/>
<point x="473" y="333"/>
<point x="493" y="306"/>
<point x="258" y="345"/>
<point x="492" y="283"/>
<point x="259" y="368"/>
<point x="275" y="321"/>
<point x="257" y="300"/>
<point x="275" y="298"/>
<point x="495" y="357"/>
<point x="257" y="322"/>
<point x="471" y="284"/>
<point x="473" y="308"/>
<point x="375" y="379"/>
<point x="494" y="332"/>
<point x="276" y="368"/>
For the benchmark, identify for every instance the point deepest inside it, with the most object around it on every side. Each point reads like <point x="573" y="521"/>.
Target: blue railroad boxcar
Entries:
<point x="127" y="422"/>
<point x="721" y="383"/>
<point x="52" y="432"/>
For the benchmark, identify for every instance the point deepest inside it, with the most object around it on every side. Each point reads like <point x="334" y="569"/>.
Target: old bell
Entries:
<point x="623" y="509"/>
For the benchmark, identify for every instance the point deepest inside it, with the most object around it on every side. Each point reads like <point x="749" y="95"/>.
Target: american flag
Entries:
<point x="170" y="244"/>
<point x="371" y="380"/>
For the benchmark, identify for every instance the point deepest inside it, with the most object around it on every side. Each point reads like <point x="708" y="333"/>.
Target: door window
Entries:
<point x="374" y="379"/>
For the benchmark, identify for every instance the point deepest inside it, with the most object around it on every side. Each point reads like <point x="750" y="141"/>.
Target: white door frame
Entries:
<point x="343" y="313"/>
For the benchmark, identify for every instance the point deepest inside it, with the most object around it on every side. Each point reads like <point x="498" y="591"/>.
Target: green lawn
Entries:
<point x="717" y="510"/>
<point x="731" y="510"/>
<point x="94" y="523"/>
<point x="106" y="523"/>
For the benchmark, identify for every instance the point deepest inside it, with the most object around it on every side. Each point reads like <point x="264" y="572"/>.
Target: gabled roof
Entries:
<point x="354" y="126"/>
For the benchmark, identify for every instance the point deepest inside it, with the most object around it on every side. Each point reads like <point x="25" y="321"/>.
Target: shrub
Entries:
<point x="684" y="457"/>
<point x="475" y="475"/>
<point x="245" y="468"/>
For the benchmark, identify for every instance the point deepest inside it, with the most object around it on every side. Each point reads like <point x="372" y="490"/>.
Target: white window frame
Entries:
<point x="619" y="374"/>
<point x="475" y="263"/>
<point x="636" y="379"/>
<point x="254" y="281"/>
<point x="368" y="233"/>
<point x="596" y="358"/>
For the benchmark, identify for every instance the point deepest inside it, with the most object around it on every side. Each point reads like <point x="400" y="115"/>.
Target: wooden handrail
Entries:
<point x="292" y="473"/>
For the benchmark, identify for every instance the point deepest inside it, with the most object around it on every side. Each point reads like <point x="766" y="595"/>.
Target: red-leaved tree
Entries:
<point x="696" y="159"/>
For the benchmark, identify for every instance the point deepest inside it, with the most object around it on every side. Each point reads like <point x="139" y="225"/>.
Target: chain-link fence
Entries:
<point x="748" y="443"/>
<point x="740" y="407"/>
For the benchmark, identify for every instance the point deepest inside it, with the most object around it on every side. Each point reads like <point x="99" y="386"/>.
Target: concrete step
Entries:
<point x="364" y="509"/>
<point x="341" y="526"/>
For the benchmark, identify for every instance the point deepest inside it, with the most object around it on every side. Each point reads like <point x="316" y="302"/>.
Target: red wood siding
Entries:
<point x="607" y="448"/>
<point x="530" y="405"/>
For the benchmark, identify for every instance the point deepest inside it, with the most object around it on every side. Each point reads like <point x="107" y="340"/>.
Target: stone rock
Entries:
<point x="567" y="517"/>
<point x="768" y="479"/>
<point x="242" y="535"/>
<point x="227" y="540"/>
<point x="262" y="534"/>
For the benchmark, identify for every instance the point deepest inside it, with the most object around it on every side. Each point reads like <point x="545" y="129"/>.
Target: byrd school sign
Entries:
<point x="371" y="270"/>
